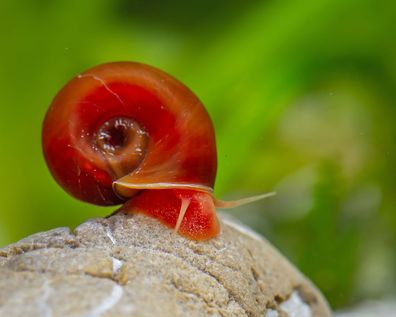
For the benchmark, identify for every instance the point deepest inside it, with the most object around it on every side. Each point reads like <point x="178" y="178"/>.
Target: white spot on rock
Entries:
<point x="117" y="265"/>
<point x="271" y="313"/>
<point x="109" y="234"/>
<point x="242" y="229"/>
<point x="295" y="307"/>
<point x="107" y="303"/>
<point x="43" y="306"/>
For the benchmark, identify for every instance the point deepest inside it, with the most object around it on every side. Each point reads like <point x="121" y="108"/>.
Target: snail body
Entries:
<point x="127" y="133"/>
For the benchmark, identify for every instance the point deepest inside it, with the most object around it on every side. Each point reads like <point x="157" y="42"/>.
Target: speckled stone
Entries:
<point x="134" y="266"/>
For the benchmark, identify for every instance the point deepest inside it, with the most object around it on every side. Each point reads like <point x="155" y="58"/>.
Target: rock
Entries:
<point x="134" y="266"/>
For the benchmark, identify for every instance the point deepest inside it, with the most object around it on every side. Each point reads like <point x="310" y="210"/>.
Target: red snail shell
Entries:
<point x="129" y="133"/>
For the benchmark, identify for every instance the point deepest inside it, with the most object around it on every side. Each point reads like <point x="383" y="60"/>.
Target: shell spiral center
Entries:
<point x="123" y="144"/>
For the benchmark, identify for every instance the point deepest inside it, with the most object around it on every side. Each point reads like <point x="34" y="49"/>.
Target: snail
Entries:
<point x="128" y="133"/>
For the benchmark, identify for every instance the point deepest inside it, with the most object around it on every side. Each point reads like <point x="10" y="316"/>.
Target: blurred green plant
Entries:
<point x="302" y="95"/>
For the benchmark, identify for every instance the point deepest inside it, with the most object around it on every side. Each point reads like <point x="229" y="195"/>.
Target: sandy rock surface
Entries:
<point x="134" y="266"/>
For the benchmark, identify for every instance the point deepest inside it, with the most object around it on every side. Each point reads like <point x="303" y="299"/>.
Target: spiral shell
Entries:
<point x="122" y="127"/>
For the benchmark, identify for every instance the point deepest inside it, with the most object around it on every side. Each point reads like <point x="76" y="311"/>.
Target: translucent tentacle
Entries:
<point x="239" y="202"/>
<point x="183" y="208"/>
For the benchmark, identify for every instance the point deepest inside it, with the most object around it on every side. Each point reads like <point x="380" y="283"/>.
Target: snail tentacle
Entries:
<point x="240" y="202"/>
<point x="185" y="202"/>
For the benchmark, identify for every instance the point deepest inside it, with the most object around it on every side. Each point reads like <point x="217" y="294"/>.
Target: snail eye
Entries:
<point x="123" y="144"/>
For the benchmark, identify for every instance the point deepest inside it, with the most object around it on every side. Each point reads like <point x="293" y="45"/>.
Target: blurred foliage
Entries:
<point x="302" y="95"/>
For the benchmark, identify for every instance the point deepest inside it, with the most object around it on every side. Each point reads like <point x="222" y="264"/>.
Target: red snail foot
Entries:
<point x="191" y="213"/>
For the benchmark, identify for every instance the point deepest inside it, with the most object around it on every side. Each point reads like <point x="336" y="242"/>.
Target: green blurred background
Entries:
<point x="302" y="95"/>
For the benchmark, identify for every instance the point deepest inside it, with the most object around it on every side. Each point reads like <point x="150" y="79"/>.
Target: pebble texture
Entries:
<point x="134" y="266"/>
